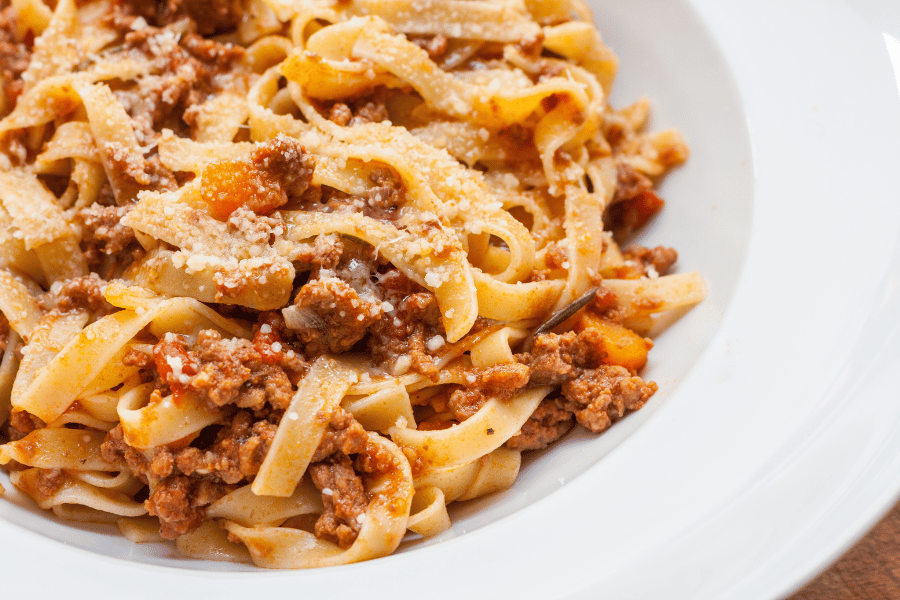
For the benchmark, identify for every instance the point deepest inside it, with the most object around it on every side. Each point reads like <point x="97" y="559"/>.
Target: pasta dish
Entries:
<point x="282" y="279"/>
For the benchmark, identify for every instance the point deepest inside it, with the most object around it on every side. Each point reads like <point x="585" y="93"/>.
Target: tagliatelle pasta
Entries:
<point x="273" y="273"/>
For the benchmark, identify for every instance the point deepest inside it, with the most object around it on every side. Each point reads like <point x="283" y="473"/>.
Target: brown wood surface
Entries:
<point x="869" y="570"/>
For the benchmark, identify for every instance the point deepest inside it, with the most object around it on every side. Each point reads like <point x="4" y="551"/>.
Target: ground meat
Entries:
<point x="606" y="304"/>
<point x="537" y="275"/>
<point x="597" y="394"/>
<point x="129" y="172"/>
<point x="500" y="381"/>
<point x="21" y="423"/>
<point x="549" y="422"/>
<point x="211" y="16"/>
<point x="146" y="173"/>
<point x="275" y="172"/>
<point x="84" y="293"/>
<point x="219" y="57"/>
<point x="660" y="259"/>
<point x="187" y="475"/>
<point x="367" y="109"/>
<point x="15" y="55"/>
<point x="344" y="434"/>
<point x="238" y="452"/>
<point x="170" y="501"/>
<point x="340" y="113"/>
<point x="255" y="228"/>
<point x="377" y="459"/>
<point x="180" y="502"/>
<point x="48" y="482"/>
<point x="555" y="358"/>
<point x="531" y="45"/>
<point x="555" y="256"/>
<point x="254" y="375"/>
<point x="357" y="267"/>
<point x="435" y="46"/>
<point x="397" y="341"/>
<point x="105" y="236"/>
<point x="518" y="136"/>
<point x="324" y="253"/>
<point x="175" y="365"/>
<point x="417" y="463"/>
<point x="344" y="498"/>
<point x="186" y="70"/>
<point x="116" y="451"/>
<point x="138" y="358"/>
<point x="4" y="333"/>
<point x="184" y="480"/>
<point x="465" y="403"/>
<point x="206" y="17"/>
<point x="335" y="472"/>
<point x="237" y="371"/>
<point x="328" y="315"/>
<point x="634" y="202"/>
<point x="549" y="69"/>
<point x="284" y="160"/>
<point x="380" y="202"/>
<point x="163" y="463"/>
<point x="370" y="112"/>
<point x="600" y="396"/>
<point x="384" y="199"/>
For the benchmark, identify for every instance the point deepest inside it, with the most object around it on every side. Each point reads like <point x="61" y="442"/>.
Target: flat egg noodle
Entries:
<point x="504" y="169"/>
<point x="485" y="431"/>
<point x="585" y="243"/>
<point x="67" y="374"/>
<point x="73" y="491"/>
<point x="74" y="415"/>
<point x="56" y="50"/>
<point x="139" y="530"/>
<point x="472" y="19"/>
<point x="71" y="140"/>
<point x="302" y="429"/>
<point x="57" y="95"/>
<point x="434" y="183"/>
<point x="484" y="103"/>
<point x="245" y="507"/>
<point x="457" y="481"/>
<point x="8" y="367"/>
<point x="14" y="255"/>
<point x="448" y="276"/>
<point x="382" y="527"/>
<point x="438" y="487"/>
<point x="147" y="425"/>
<point x="32" y="15"/>
<point x="33" y="210"/>
<point x="496" y="348"/>
<point x="210" y="542"/>
<point x="52" y="333"/>
<point x="18" y="304"/>
<point x="209" y="247"/>
<point x="61" y="448"/>
<point x="383" y="409"/>
<point x="428" y="514"/>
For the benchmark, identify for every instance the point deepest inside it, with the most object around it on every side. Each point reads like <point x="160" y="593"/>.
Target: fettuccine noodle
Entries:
<point x="271" y="270"/>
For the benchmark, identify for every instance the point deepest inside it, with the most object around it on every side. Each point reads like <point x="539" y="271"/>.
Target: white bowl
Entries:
<point x="773" y="442"/>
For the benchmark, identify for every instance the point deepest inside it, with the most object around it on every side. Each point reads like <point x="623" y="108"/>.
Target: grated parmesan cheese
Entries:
<point x="434" y="343"/>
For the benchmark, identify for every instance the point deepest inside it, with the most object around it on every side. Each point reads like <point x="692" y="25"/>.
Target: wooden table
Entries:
<point x="869" y="570"/>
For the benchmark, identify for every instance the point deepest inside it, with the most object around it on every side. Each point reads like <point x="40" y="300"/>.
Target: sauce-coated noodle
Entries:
<point x="271" y="271"/>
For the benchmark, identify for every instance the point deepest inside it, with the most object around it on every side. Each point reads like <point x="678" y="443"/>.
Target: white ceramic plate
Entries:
<point x="775" y="438"/>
